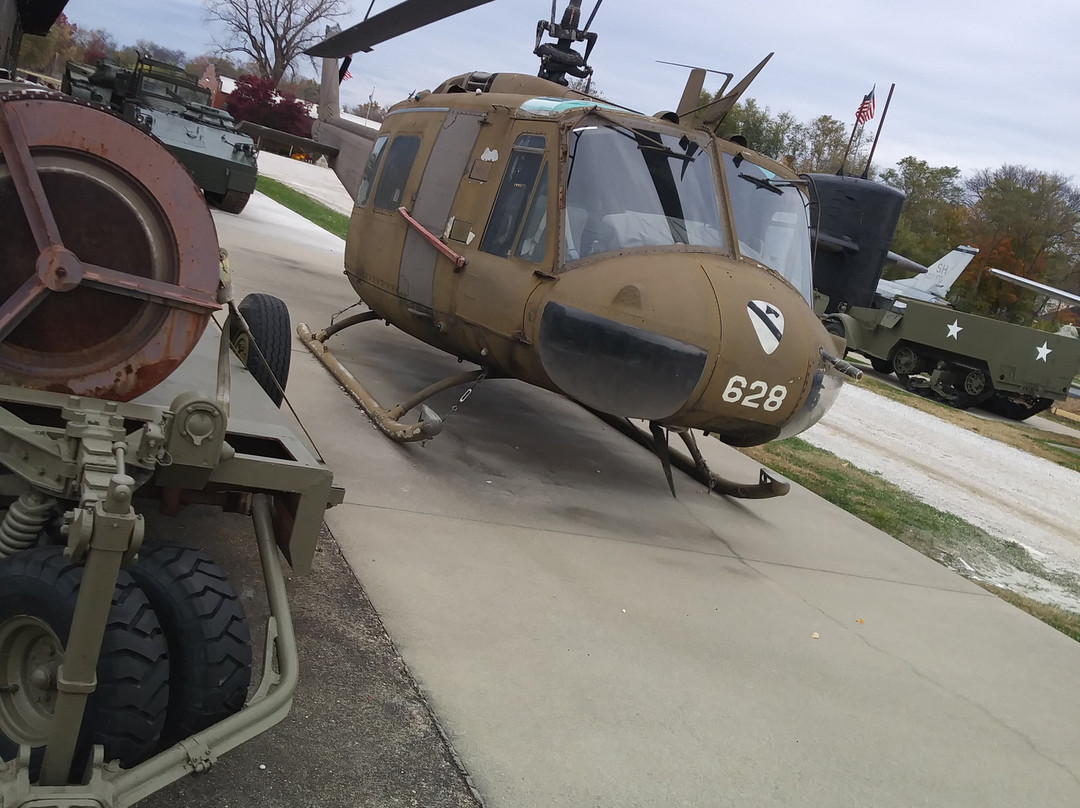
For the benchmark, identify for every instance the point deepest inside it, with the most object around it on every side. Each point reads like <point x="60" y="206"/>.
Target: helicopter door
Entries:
<point x="442" y="176"/>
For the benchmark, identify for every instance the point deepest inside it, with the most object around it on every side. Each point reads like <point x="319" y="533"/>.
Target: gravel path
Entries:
<point x="1012" y="495"/>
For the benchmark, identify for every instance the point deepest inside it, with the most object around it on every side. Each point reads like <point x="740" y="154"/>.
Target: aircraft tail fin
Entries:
<point x="942" y="274"/>
<point x="352" y="140"/>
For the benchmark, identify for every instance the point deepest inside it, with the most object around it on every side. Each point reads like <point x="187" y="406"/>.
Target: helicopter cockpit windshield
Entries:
<point x="770" y="220"/>
<point x="637" y="188"/>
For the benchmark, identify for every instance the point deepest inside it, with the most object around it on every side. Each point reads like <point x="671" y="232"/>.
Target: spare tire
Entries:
<point x="269" y="358"/>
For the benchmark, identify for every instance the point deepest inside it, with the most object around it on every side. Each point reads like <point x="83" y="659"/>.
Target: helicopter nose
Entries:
<point x="695" y="341"/>
<point x="617" y="368"/>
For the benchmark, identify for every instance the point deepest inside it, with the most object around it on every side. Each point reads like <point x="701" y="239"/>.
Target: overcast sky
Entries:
<point x="979" y="83"/>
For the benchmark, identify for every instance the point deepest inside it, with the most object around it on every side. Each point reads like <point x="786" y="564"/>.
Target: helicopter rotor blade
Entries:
<point x="396" y="20"/>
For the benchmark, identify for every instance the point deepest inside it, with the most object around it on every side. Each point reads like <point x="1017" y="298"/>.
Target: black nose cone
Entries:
<point x="617" y="368"/>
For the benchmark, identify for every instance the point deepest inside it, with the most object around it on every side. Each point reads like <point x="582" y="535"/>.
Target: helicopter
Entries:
<point x="638" y="264"/>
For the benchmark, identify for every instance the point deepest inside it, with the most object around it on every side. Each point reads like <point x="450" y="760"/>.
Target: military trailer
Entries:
<point x="126" y="659"/>
<point x="168" y="103"/>
<point x="962" y="359"/>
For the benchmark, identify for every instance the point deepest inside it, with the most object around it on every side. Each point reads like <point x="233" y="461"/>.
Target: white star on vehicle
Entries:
<point x="955" y="329"/>
<point x="1043" y="351"/>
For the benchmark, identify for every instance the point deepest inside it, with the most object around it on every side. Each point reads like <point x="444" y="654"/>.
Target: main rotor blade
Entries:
<point x="396" y="20"/>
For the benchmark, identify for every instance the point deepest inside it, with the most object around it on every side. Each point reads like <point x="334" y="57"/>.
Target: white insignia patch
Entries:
<point x="1042" y="352"/>
<point x="490" y="156"/>
<point x="954" y="330"/>
<point x="768" y="322"/>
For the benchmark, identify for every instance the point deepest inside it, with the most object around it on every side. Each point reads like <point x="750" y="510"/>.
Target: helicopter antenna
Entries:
<point x="559" y="59"/>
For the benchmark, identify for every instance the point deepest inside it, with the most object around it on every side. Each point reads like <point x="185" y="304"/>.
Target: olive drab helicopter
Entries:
<point x="645" y="268"/>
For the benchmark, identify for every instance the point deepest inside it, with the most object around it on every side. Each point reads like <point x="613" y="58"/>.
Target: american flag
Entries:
<point x="346" y="75"/>
<point x="866" y="109"/>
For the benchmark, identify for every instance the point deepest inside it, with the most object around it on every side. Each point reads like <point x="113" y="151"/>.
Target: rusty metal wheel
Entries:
<point x="109" y="260"/>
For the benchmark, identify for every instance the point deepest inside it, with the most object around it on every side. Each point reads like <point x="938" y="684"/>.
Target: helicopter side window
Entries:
<point x="395" y="174"/>
<point x="370" y="170"/>
<point x="770" y="220"/>
<point x="512" y="201"/>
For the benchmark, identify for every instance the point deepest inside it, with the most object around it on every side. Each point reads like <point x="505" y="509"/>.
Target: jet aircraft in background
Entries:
<point x="934" y="284"/>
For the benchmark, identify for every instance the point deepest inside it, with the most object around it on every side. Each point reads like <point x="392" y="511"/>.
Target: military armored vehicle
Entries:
<point x="125" y="659"/>
<point x="962" y="359"/>
<point x="167" y="102"/>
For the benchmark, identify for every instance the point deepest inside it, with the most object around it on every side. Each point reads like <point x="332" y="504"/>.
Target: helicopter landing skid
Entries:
<point x="386" y="421"/>
<point x="766" y="487"/>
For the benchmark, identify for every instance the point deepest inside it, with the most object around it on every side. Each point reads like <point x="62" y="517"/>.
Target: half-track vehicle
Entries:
<point x="168" y="102"/>
<point x="963" y="359"/>
<point x="126" y="659"/>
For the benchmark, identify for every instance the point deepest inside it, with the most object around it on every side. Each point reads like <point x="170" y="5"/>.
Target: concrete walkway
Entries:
<point x="587" y="640"/>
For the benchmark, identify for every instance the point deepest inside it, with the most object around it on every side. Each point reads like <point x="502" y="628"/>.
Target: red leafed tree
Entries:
<point x="256" y="100"/>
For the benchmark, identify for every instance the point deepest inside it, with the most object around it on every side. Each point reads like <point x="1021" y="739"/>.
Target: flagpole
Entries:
<point x="881" y="123"/>
<point x="843" y="162"/>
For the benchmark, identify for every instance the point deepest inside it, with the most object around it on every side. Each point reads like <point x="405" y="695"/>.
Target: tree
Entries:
<point x="933" y="219"/>
<point x="371" y="109"/>
<point x="273" y="33"/>
<point x="222" y="66"/>
<point x="96" y="44"/>
<point x="257" y="100"/>
<point x="1026" y="222"/>
<point x="302" y="87"/>
<point x="48" y="54"/>
<point x="153" y="50"/>
<point x="826" y="140"/>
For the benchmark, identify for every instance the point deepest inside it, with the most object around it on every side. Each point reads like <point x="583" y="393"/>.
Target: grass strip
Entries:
<point x="944" y="537"/>
<point x="315" y="212"/>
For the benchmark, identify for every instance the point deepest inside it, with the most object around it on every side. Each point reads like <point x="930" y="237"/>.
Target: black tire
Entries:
<point x="268" y="318"/>
<point x="207" y="634"/>
<point x="880" y="365"/>
<point x="232" y="201"/>
<point x="126" y="713"/>
<point x="836" y="328"/>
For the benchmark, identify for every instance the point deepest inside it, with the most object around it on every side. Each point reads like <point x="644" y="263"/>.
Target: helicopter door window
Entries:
<point x="512" y="201"/>
<point x="395" y="174"/>
<point x="770" y="220"/>
<point x="370" y="170"/>
<point x="533" y="240"/>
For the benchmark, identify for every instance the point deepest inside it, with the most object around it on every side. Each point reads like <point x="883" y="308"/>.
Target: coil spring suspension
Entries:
<point x="23" y="522"/>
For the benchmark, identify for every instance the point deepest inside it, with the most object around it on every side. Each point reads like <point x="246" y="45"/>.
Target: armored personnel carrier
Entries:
<point x="126" y="659"/>
<point x="168" y="103"/>
<point x="962" y="359"/>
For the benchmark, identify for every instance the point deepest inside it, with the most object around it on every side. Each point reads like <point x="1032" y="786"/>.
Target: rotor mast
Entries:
<point x="559" y="58"/>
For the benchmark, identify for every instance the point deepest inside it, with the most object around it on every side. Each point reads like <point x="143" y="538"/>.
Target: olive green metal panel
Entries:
<point x="1018" y="359"/>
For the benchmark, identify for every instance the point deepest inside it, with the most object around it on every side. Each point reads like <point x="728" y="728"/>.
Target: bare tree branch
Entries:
<point x="272" y="33"/>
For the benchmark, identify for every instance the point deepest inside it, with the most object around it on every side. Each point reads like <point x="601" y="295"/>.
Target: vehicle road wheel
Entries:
<point x="126" y="713"/>
<point x="905" y="361"/>
<point x="268" y="318"/>
<point x="207" y="634"/>
<point x="232" y="201"/>
<point x="976" y="384"/>
<point x="880" y="365"/>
